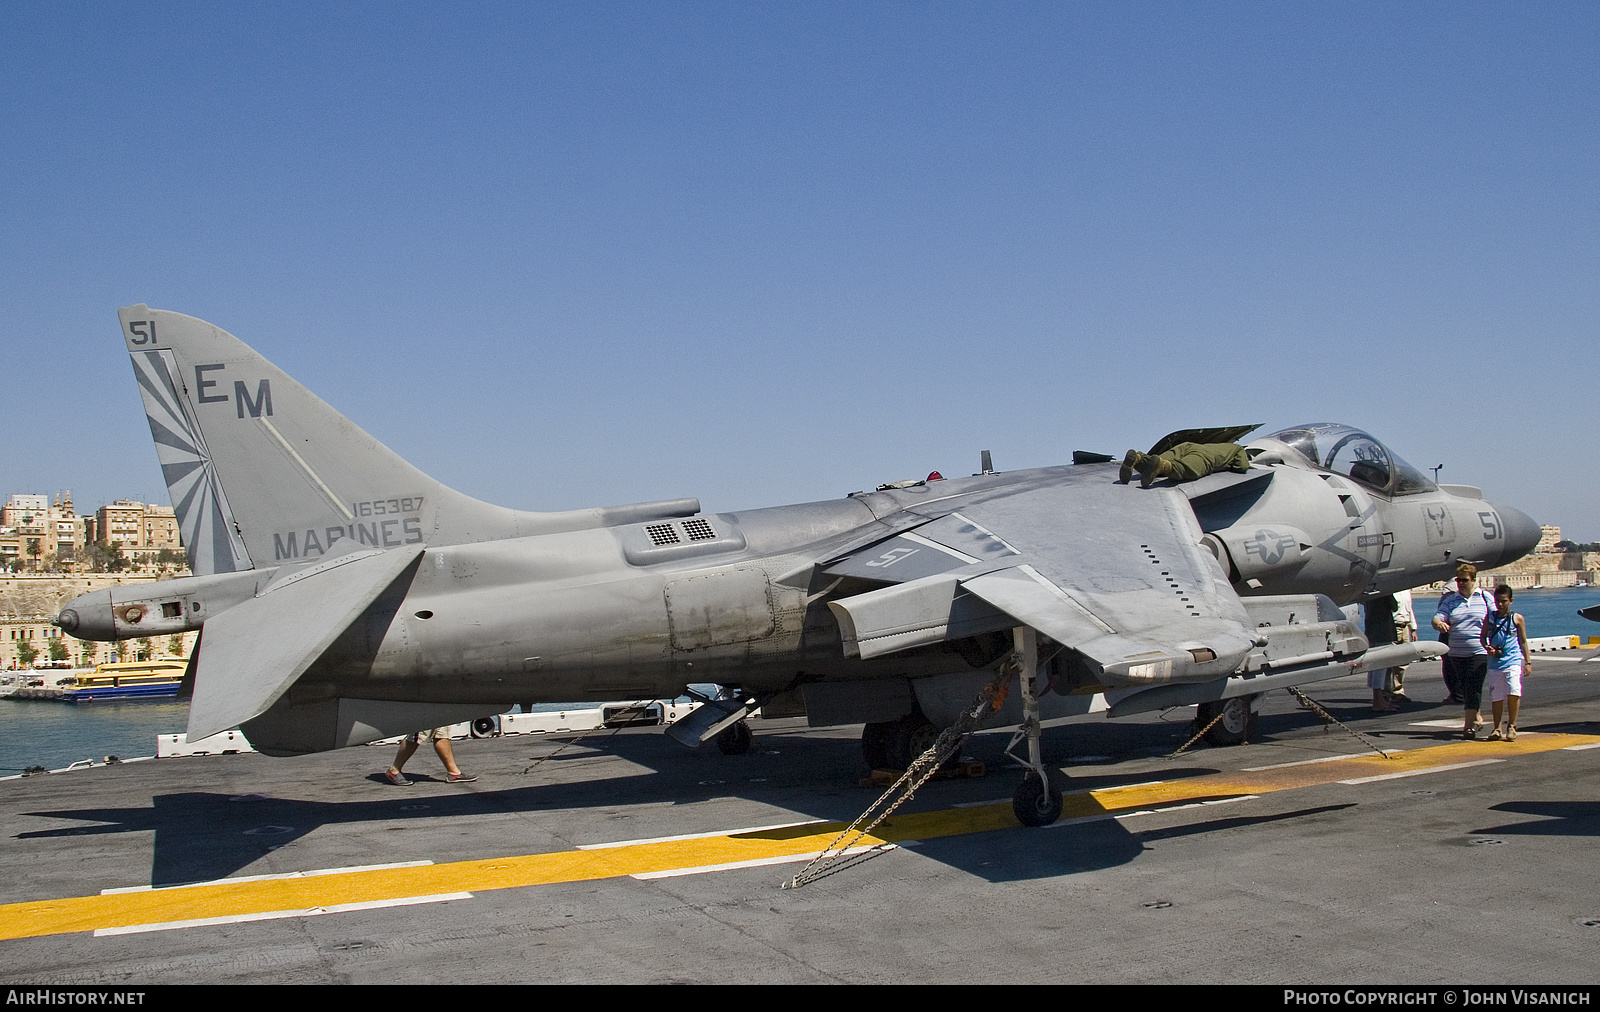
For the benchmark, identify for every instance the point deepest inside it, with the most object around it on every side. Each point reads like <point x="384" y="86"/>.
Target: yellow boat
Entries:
<point x="128" y="680"/>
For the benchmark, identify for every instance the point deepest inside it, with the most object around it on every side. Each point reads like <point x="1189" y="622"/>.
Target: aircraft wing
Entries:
<point x="1113" y="571"/>
<point x="254" y="651"/>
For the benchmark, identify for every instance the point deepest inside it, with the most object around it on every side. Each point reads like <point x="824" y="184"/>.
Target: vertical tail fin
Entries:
<point x="262" y="472"/>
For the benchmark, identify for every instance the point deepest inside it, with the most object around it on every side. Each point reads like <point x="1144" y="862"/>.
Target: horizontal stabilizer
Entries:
<point x="254" y="651"/>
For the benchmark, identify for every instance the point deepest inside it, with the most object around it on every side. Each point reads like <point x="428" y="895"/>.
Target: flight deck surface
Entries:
<point x="1302" y="858"/>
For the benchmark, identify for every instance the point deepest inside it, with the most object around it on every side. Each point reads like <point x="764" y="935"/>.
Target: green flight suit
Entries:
<point x="1196" y="460"/>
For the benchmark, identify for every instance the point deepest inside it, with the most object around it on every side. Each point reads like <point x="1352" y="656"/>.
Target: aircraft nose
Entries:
<point x="1522" y="534"/>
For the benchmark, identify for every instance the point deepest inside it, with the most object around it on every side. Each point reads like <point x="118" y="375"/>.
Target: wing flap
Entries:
<point x="1180" y="651"/>
<point x="254" y="651"/>
<point x="914" y="614"/>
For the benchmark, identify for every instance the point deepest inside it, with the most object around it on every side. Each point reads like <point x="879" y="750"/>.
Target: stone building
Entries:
<point x="121" y="521"/>
<point x="1545" y="566"/>
<point x="38" y="534"/>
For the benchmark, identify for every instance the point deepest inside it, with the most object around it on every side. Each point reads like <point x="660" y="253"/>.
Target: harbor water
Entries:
<point x="55" y="735"/>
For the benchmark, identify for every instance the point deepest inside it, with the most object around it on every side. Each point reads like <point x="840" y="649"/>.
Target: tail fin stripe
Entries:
<point x="161" y="434"/>
<point x="167" y="396"/>
<point x="204" y="519"/>
<point x="174" y="472"/>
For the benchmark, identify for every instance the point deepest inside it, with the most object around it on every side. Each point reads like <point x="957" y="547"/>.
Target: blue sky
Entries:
<point x="561" y="255"/>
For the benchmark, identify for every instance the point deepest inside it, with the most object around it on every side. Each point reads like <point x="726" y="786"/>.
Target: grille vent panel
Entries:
<point x="698" y="530"/>
<point x="662" y="534"/>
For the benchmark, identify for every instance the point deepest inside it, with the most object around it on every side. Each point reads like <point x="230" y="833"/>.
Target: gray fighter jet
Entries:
<point x="344" y="596"/>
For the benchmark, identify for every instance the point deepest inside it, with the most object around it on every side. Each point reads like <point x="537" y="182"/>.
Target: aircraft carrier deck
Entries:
<point x="1301" y="858"/>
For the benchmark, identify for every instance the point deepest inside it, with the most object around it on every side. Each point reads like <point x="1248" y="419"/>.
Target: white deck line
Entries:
<point x="121" y="890"/>
<point x="1581" y="748"/>
<point x="759" y="862"/>
<point x="1418" y="773"/>
<point x="274" y="915"/>
<point x="1103" y="816"/>
<point x="1304" y="762"/>
<point x="982" y="804"/>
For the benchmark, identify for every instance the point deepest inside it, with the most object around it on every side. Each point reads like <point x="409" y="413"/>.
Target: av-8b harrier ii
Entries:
<point x="343" y="596"/>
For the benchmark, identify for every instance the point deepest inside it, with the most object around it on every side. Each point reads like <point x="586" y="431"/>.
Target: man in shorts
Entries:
<point x="441" y="744"/>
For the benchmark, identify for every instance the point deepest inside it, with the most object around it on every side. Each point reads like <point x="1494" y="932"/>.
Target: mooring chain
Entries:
<point x="833" y="858"/>
<point x="1196" y="738"/>
<point x="624" y="715"/>
<point x="1314" y="707"/>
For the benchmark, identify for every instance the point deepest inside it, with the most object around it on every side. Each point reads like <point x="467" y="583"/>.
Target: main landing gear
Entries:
<point x="1236" y="726"/>
<point x="1037" y="801"/>
<point x="895" y="744"/>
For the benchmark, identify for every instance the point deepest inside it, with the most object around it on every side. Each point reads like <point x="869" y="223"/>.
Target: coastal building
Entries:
<point x="121" y="521"/>
<point x="36" y="533"/>
<point x="145" y="534"/>
<point x="1546" y="566"/>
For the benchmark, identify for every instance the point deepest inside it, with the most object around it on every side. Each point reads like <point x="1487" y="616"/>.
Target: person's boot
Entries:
<point x="1151" y="468"/>
<point x="1130" y="462"/>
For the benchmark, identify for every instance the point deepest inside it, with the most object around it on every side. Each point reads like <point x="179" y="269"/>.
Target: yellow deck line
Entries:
<point x="232" y="899"/>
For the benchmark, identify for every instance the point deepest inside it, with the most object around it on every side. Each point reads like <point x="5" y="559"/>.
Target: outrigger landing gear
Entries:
<point x="735" y="739"/>
<point x="720" y="717"/>
<point x="1037" y="801"/>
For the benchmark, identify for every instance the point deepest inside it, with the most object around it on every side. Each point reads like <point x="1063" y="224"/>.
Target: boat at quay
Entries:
<point x="155" y="679"/>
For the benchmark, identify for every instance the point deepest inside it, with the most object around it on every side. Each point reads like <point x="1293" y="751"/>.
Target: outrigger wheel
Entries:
<point x="1036" y="802"/>
<point x="735" y="739"/>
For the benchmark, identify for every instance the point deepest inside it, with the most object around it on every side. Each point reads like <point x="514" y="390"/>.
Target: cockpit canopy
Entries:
<point x="1354" y="454"/>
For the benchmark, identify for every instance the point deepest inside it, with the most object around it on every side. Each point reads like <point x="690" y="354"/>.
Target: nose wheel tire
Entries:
<point x="1036" y="802"/>
<point x="735" y="740"/>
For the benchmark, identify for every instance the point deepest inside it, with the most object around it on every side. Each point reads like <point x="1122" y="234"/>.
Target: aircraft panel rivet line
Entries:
<point x="1327" y="717"/>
